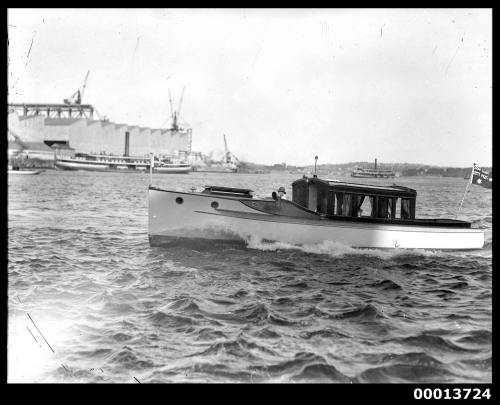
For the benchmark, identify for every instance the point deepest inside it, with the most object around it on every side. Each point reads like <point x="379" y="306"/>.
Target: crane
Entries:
<point x="175" y="114"/>
<point x="228" y="155"/>
<point x="77" y="96"/>
<point x="180" y="101"/>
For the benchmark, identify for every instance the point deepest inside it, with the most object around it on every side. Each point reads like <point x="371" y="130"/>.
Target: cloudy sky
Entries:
<point x="402" y="85"/>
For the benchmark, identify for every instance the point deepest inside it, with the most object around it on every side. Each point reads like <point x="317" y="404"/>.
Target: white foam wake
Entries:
<point x="336" y="249"/>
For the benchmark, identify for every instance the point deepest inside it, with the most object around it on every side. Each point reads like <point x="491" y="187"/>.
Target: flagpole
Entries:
<point x="466" y="189"/>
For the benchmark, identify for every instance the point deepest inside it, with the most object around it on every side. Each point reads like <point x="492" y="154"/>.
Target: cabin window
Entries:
<point x="373" y="203"/>
<point x="392" y="206"/>
<point x="397" y="211"/>
<point x="300" y="194"/>
<point x="322" y="201"/>
<point x="383" y="207"/>
<point x="313" y="197"/>
<point x="340" y="199"/>
<point x="387" y="207"/>
<point x="347" y="205"/>
<point x="405" y="208"/>
<point x="356" y="203"/>
<point x="366" y="208"/>
<point x="330" y="209"/>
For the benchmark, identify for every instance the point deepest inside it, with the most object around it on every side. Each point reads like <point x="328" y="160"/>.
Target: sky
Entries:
<point x="284" y="85"/>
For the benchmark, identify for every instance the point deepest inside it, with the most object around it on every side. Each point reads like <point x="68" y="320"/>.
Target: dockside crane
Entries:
<point x="175" y="114"/>
<point x="77" y="97"/>
<point x="229" y="155"/>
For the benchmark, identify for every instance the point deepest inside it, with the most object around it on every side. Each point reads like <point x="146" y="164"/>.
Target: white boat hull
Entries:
<point x="81" y="166"/>
<point x="232" y="219"/>
<point x="215" y="169"/>
<point x="25" y="172"/>
<point x="117" y="167"/>
<point x="173" y="169"/>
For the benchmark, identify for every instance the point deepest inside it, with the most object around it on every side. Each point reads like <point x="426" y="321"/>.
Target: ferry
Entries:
<point x="373" y="173"/>
<point x="357" y="215"/>
<point x="110" y="163"/>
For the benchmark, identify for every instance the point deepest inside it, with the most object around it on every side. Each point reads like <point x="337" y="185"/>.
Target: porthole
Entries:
<point x="214" y="205"/>
<point x="179" y="200"/>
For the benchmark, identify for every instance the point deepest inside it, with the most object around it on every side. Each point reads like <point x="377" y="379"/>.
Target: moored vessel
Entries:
<point x="109" y="163"/>
<point x="24" y="171"/>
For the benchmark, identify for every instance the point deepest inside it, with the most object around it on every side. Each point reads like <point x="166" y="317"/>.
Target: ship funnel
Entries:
<point x="315" y="161"/>
<point x="375" y="163"/>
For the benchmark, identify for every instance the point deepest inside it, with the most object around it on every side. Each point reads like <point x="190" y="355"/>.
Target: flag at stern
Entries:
<point x="481" y="177"/>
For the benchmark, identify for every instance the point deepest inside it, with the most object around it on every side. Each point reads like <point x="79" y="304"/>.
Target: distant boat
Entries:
<point x="173" y="168"/>
<point x="18" y="170"/>
<point x="373" y="173"/>
<point x="124" y="164"/>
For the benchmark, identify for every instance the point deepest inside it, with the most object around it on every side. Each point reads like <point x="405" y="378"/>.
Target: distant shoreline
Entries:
<point x="329" y="169"/>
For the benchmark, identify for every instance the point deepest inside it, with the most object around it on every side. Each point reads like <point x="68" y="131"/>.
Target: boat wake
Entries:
<point x="336" y="249"/>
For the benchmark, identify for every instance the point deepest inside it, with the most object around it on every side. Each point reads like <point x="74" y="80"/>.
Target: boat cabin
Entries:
<point x="335" y="198"/>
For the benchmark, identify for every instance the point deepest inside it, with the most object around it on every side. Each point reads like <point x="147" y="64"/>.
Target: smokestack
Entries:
<point x="375" y="163"/>
<point x="127" y="135"/>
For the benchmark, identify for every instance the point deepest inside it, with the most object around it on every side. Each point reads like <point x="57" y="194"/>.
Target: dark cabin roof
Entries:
<point x="367" y="189"/>
<point x="228" y="191"/>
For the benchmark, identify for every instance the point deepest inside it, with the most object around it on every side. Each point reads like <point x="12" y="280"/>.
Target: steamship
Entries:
<point x="373" y="173"/>
<point x="110" y="163"/>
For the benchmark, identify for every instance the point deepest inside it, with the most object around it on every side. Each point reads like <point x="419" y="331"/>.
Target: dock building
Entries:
<point x="62" y="127"/>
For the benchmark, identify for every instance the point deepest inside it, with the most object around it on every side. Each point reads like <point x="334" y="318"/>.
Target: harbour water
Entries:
<point x="113" y="309"/>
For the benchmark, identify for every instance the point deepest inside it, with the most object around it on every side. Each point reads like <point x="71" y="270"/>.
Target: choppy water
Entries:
<point x="114" y="309"/>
